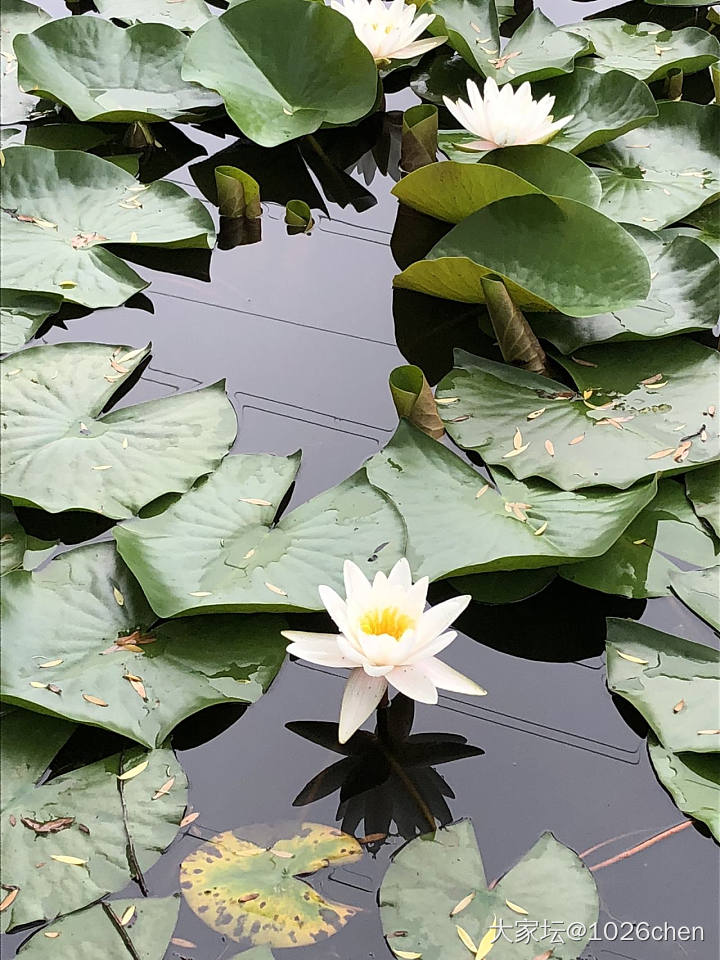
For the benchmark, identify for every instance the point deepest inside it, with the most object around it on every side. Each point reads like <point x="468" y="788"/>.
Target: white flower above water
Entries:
<point x="386" y="637"/>
<point x="389" y="32"/>
<point x="504" y="117"/>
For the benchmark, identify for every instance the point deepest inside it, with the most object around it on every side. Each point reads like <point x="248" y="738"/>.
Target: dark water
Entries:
<point x="303" y="330"/>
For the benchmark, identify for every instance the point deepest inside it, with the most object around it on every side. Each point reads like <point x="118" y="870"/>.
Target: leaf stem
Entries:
<point x="642" y="846"/>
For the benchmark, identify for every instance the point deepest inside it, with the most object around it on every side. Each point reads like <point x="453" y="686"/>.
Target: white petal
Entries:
<point x="362" y="694"/>
<point x="446" y="678"/>
<point x="437" y="619"/>
<point x="320" y="648"/>
<point x="357" y="585"/>
<point x="417" y="48"/>
<point x="336" y="607"/>
<point x="432" y="647"/>
<point x="400" y="574"/>
<point x="414" y="682"/>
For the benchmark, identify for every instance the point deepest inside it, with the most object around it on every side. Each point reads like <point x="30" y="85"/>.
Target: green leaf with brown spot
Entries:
<point x="245" y="883"/>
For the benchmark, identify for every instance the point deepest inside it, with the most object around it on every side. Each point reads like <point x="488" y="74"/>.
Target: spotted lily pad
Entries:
<point x="703" y="489"/>
<point x="60" y="207"/>
<point x="181" y="14"/>
<point x="22" y="314"/>
<point x="675" y="684"/>
<point x="647" y="50"/>
<point x="692" y="780"/>
<point x="700" y="590"/>
<point x="100" y="931"/>
<point x="536" y="50"/>
<point x="665" y="170"/>
<point x="109" y="73"/>
<point x="221" y="547"/>
<point x="62" y="453"/>
<point x="603" y="106"/>
<point x="661" y="541"/>
<point x="283" y="68"/>
<point x="515" y="526"/>
<point x="18" y="550"/>
<point x="18" y="17"/>
<point x="245" y="883"/>
<point x="59" y="652"/>
<point x="452" y="191"/>
<point x="116" y="829"/>
<point x="636" y="412"/>
<point x="435" y="901"/>
<point x="683" y="298"/>
<point x="592" y="265"/>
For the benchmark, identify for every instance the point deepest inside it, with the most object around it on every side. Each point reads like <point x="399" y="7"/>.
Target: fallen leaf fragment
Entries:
<point x="179" y="942"/>
<point x="680" y="705"/>
<point x="119" y="598"/>
<point x="660" y="454"/>
<point x="708" y="733"/>
<point x="137" y="684"/>
<point x="517" y="439"/>
<point x="631" y="658"/>
<point x="407" y="954"/>
<point x="50" y="663"/>
<point x="134" y="771"/>
<point x="51" y="934"/>
<point x="549" y="446"/>
<point x="48" y="826"/>
<point x="466" y="938"/>
<point x="460" y="906"/>
<point x="514" y="452"/>
<point x="255" y="501"/>
<point x="96" y="700"/>
<point x="201" y="593"/>
<point x="578" y="439"/>
<point x="189" y="818"/>
<point x="536" y="413"/>
<point x="8" y="898"/>
<point x="482" y="490"/>
<point x="541" y="529"/>
<point x="38" y="685"/>
<point x="515" y="908"/>
<point x="283" y="854"/>
<point x="164" y="789"/>
<point x="583" y="363"/>
<point x="247" y="897"/>
<point x="274" y="589"/>
<point x="127" y="916"/>
<point x="73" y="861"/>
<point x="487" y="942"/>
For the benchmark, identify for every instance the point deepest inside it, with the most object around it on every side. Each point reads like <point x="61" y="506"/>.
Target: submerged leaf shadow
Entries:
<point x="387" y="776"/>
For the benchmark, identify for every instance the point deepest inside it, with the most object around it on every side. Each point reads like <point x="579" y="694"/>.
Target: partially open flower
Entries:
<point x="389" y="32"/>
<point x="504" y="117"/>
<point x="386" y="637"/>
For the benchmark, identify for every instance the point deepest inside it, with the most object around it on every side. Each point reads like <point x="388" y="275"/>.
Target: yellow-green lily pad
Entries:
<point x="245" y="883"/>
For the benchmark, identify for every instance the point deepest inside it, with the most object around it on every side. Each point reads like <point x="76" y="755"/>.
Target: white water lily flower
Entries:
<point x="504" y="117"/>
<point x="386" y="637"/>
<point x="389" y="32"/>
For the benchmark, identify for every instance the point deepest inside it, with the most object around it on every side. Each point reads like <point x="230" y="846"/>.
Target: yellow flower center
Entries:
<point x="387" y="620"/>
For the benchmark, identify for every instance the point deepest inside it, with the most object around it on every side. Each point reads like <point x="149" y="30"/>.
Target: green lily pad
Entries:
<point x="698" y="590"/>
<point x="483" y="528"/>
<point x="283" y="68"/>
<point x="505" y="587"/>
<point x="219" y="548"/>
<point x="675" y="684"/>
<point x="127" y="830"/>
<point x="245" y="883"/>
<point x="644" y="559"/>
<point x="603" y="106"/>
<point x="238" y="193"/>
<point x="18" y="550"/>
<point x="663" y="172"/>
<point x="707" y="221"/>
<point x="683" y="298"/>
<point x="181" y="667"/>
<point x="22" y="313"/>
<point x="62" y="453"/>
<point x="623" y="430"/>
<point x="60" y="207"/>
<point x="703" y="489"/>
<point x="692" y="780"/>
<point x="452" y="191"/>
<point x="647" y="50"/>
<point x="18" y="17"/>
<point x="592" y="265"/>
<point x="181" y="14"/>
<point x="537" y="49"/>
<point x="109" y="73"/>
<point x="432" y="875"/>
<point x="99" y="931"/>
